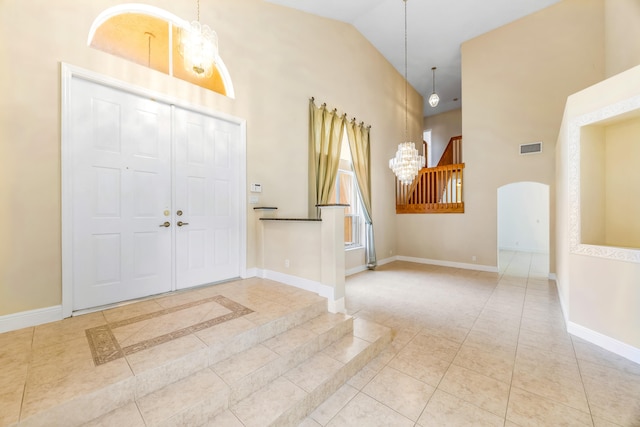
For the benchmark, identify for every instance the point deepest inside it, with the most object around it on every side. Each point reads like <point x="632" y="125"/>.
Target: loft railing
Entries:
<point x="453" y="152"/>
<point x="435" y="190"/>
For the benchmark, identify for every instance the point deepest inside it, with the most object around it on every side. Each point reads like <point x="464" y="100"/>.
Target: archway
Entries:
<point x="523" y="225"/>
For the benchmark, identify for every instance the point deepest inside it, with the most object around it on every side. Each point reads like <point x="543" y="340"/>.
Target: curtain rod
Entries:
<point x="324" y="104"/>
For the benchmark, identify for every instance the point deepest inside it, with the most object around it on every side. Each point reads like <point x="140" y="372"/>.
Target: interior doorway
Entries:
<point x="523" y="224"/>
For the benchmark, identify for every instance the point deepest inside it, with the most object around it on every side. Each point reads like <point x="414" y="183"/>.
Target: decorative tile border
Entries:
<point x="105" y="347"/>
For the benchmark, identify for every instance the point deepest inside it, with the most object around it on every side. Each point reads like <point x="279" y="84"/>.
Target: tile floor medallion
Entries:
<point x="106" y="346"/>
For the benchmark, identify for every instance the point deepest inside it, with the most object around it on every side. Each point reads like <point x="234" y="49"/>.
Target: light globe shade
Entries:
<point x="434" y="99"/>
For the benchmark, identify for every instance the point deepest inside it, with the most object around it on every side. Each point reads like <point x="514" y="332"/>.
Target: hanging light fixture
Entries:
<point x="434" y="98"/>
<point x="407" y="162"/>
<point x="198" y="47"/>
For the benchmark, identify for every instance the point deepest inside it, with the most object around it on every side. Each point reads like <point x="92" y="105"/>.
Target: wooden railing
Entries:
<point x="435" y="190"/>
<point x="452" y="153"/>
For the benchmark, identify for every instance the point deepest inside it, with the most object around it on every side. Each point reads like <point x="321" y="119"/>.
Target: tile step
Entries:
<point x="220" y="344"/>
<point x="282" y="391"/>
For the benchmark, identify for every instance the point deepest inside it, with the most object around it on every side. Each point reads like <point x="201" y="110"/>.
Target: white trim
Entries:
<point x="523" y="249"/>
<point x="328" y="292"/>
<point x="336" y="306"/>
<point x="552" y="276"/>
<point x="25" y="319"/>
<point x="563" y="304"/>
<point x="465" y="266"/>
<point x="575" y="220"/>
<point x="608" y="343"/>
<point x="355" y="270"/>
<point x="67" y="73"/>
<point x="387" y="260"/>
<point x="251" y="272"/>
<point x="299" y="282"/>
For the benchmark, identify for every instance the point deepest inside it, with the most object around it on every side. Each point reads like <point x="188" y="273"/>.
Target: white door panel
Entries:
<point x="135" y="163"/>
<point x="207" y="193"/>
<point x="121" y="187"/>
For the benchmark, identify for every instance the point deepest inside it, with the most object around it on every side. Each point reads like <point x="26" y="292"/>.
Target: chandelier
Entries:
<point x="434" y="98"/>
<point x="198" y="47"/>
<point x="407" y="162"/>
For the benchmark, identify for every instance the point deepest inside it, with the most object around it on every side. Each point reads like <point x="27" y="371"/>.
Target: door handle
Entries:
<point x="165" y="224"/>
<point x="180" y="223"/>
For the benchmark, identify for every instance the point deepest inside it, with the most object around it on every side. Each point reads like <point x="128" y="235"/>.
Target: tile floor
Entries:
<point x="106" y="351"/>
<point x="469" y="349"/>
<point x="478" y="349"/>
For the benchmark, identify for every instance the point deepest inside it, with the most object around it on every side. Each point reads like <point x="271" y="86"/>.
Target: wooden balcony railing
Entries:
<point x="435" y="190"/>
<point x="453" y="152"/>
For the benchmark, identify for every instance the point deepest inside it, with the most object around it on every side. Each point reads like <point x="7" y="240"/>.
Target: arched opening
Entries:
<point x="148" y="36"/>
<point x="523" y="228"/>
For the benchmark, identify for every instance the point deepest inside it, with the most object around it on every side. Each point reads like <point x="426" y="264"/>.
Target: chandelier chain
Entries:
<point x="406" y="84"/>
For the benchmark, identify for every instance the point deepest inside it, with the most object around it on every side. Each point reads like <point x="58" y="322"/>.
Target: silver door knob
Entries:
<point x="180" y="223"/>
<point x="165" y="224"/>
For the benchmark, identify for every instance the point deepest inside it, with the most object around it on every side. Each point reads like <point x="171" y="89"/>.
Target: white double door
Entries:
<point x="155" y="196"/>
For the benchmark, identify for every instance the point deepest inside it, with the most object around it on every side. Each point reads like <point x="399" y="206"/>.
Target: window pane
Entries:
<point x="348" y="230"/>
<point x="346" y="192"/>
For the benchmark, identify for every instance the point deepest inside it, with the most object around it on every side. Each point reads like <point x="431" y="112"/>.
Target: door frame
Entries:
<point x="67" y="74"/>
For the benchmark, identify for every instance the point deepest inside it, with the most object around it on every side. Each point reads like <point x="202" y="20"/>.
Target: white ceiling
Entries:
<point x="436" y="29"/>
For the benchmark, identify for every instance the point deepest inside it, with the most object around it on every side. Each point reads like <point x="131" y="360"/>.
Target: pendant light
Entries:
<point x="434" y="98"/>
<point x="407" y="162"/>
<point x="198" y="47"/>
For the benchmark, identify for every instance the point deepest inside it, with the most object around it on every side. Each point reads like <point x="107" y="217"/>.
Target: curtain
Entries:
<point x="325" y="140"/>
<point x="358" y="136"/>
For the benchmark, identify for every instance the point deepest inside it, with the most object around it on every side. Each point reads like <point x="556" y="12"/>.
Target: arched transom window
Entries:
<point x="149" y="36"/>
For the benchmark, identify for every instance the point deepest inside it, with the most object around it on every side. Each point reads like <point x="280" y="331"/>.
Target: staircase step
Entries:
<point x="254" y="368"/>
<point x="287" y="400"/>
<point x="194" y="400"/>
<point x="112" y="387"/>
<point x="273" y="366"/>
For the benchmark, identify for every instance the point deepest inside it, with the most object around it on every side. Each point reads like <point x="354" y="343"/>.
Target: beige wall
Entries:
<point x="622" y="204"/>
<point x="598" y="293"/>
<point x="443" y="126"/>
<point x="515" y="81"/>
<point x="621" y="19"/>
<point x="593" y="174"/>
<point x="277" y="58"/>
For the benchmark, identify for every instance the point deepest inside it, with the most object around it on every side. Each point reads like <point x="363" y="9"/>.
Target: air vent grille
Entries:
<point x="533" y="148"/>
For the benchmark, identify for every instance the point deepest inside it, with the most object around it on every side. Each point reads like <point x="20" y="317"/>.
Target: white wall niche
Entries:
<point x="603" y="184"/>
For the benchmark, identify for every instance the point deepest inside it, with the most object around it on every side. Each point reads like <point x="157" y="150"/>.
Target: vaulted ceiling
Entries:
<point x="436" y="30"/>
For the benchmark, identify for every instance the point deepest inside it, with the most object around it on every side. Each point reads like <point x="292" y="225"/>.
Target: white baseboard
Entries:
<point x="608" y="343"/>
<point x="25" y="319"/>
<point x="465" y="266"/>
<point x="355" y="270"/>
<point x="300" y="282"/>
<point x="337" y="306"/>
<point x="387" y="260"/>
<point x="563" y="304"/>
<point x="611" y="344"/>
<point x="250" y="272"/>
<point x="521" y="249"/>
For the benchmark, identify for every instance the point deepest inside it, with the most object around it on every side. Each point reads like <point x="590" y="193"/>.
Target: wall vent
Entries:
<point x="534" y="147"/>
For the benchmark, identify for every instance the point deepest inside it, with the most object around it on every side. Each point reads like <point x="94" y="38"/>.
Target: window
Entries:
<point x="346" y="192"/>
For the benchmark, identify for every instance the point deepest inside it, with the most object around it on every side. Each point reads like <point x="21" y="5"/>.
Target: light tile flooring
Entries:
<point x="469" y="349"/>
<point x="478" y="349"/>
<point x="41" y="367"/>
